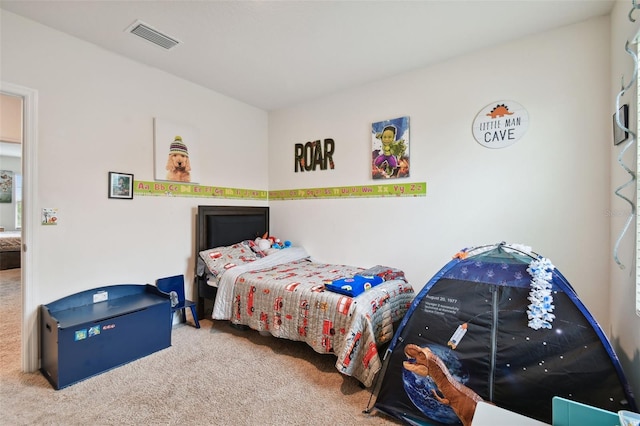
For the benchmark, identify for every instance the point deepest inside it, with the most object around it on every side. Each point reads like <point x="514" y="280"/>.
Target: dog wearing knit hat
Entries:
<point x="178" y="165"/>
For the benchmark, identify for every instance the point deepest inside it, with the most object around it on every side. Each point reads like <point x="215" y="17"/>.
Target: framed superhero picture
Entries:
<point x="390" y="149"/>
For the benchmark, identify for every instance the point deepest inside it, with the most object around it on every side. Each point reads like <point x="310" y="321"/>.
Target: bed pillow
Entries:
<point x="256" y="249"/>
<point x="220" y="259"/>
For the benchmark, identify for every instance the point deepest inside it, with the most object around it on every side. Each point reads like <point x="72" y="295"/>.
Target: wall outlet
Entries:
<point x="100" y="296"/>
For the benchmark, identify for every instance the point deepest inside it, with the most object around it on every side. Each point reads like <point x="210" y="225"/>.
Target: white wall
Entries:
<point x="624" y="324"/>
<point x="95" y="115"/>
<point x="551" y="190"/>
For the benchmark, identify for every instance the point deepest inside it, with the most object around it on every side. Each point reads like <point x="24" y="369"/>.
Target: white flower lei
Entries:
<point x="541" y="306"/>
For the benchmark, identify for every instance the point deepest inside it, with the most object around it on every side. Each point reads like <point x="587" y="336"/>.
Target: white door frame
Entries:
<point x="30" y="221"/>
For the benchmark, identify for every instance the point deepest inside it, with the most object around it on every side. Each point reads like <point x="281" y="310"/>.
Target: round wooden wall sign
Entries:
<point x="500" y="124"/>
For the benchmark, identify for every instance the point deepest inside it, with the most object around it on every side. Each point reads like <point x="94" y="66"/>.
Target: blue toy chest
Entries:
<point x="93" y="331"/>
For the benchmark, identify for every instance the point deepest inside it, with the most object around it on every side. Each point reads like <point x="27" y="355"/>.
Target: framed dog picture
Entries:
<point x="120" y="185"/>
<point x="176" y="152"/>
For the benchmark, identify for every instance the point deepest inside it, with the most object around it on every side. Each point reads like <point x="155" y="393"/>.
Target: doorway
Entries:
<point x="10" y="178"/>
<point x="29" y="331"/>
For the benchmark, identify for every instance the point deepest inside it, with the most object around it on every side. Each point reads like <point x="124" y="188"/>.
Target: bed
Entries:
<point x="10" y="248"/>
<point x="286" y="293"/>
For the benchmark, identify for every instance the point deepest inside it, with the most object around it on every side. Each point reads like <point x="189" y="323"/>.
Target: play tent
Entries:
<point x="498" y="323"/>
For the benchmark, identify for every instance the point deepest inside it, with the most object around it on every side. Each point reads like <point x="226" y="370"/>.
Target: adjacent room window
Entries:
<point x="18" y="197"/>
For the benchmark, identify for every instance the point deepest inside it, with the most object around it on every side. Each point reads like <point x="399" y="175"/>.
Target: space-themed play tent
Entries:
<point x="498" y="323"/>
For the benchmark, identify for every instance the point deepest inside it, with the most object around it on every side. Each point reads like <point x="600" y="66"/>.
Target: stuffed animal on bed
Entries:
<point x="265" y="243"/>
<point x="284" y="245"/>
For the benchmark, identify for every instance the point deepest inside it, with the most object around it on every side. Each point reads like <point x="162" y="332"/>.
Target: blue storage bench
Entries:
<point x="93" y="331"/>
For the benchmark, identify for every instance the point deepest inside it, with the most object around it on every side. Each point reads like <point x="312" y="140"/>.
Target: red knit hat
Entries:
<point x="177" y="147"/>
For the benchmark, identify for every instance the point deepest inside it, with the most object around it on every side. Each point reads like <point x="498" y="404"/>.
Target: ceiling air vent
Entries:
<point x="152" y="35"/>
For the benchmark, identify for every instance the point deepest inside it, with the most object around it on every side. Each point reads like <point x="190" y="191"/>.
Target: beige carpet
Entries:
<point x="212" y="376"/>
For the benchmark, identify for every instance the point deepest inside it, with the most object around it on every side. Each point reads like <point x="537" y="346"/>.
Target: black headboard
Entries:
<point x="225" y="225"/>
<point x="218" y="226"/>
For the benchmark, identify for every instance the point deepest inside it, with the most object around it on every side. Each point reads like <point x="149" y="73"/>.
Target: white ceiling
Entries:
<point x="275" y="54"/>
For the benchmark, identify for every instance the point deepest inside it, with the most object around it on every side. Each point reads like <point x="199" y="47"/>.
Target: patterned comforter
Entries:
<point x="284" y="294"/>
<point x="10" y="241"/>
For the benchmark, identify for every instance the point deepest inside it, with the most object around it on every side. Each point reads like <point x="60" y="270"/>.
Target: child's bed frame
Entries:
<point x="10" y="250"/>
<point x="9" y="259"/>
<point x="351" y="328"/>
<point x="218" y="226"/>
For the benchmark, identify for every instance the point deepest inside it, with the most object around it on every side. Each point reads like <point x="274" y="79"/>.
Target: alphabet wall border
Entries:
<point x="167" y="189"/>
<point x="417" y="189"/>
<point x="171" y="189"/>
